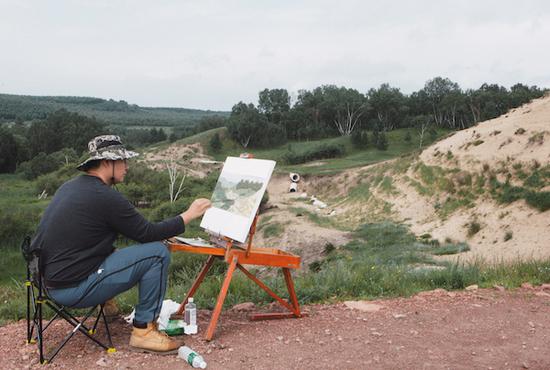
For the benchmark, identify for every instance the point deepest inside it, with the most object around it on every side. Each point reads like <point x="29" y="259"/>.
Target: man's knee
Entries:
<point x="161" y="250"/>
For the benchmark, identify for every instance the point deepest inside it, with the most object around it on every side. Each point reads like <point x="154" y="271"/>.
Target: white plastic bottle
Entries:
<point x="192" y="357"/>
<point x="190" y="317"/>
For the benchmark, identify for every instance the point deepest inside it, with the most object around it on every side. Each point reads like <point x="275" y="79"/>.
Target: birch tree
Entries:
<point x="173" y="176"/>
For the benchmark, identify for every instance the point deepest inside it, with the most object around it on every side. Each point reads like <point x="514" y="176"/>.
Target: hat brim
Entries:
<point x="109" y="155"/>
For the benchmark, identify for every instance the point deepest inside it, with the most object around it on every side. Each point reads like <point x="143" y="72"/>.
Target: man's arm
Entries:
<point x="124" y="218"/>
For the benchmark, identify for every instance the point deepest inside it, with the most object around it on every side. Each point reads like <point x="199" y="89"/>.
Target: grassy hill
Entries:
<point x="114" y="113"/>
<point x="352" y="157"/>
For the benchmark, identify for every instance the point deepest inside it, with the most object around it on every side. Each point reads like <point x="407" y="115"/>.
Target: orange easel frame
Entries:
<point x="236" y="258"/>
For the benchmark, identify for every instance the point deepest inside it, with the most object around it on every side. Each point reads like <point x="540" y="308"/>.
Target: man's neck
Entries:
<point x="102" y="176"/>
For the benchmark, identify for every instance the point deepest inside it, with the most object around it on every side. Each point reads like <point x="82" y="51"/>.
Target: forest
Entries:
<point x="33" y="128"/>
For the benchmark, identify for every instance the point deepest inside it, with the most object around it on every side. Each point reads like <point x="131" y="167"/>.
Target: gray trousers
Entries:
<point x="142" y="264"/>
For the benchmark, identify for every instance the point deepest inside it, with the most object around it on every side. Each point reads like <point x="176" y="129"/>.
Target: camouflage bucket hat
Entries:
<point x="107" y="147"/>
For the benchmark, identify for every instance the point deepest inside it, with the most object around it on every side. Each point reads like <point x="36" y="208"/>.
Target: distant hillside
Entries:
<point x="119" y="113"/>
<point x="488" y="185"/>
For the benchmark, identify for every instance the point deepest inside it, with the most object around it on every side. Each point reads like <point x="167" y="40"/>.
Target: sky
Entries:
<point x="213" y="54"/>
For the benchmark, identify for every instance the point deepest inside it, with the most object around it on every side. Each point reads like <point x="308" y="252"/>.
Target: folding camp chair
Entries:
<point x="37" y="297"/>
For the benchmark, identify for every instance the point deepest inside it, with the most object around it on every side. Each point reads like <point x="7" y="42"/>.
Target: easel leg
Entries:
<point x="221" y="298"/>
<point x="196" y="284"/>
<point x="266" y="288"/>
<point x="292" y="292"/>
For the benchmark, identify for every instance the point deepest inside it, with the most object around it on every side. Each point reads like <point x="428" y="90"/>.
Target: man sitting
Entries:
<point x="76" y="236"/>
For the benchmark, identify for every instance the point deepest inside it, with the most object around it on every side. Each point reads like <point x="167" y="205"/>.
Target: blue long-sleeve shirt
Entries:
<point x="78" y="229"/>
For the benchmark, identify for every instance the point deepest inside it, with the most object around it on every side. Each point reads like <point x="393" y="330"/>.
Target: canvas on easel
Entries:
<point x="237" y="196"/>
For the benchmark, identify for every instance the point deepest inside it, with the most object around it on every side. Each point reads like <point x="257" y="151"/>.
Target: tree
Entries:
<point x="388" y="106"/>
<point x="63" y="129"/>
<point x="173" y="175"/>
<point x="275" y="104"/>
<point x="8" y="151"/>
<point x="244" y="123"/>
<point x="436" y="90"/>
<point x="248" y="126"/>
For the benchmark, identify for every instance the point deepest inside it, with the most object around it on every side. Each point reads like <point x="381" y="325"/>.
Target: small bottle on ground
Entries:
<point x="190" y="317"/>
<point x="192" y="357"/>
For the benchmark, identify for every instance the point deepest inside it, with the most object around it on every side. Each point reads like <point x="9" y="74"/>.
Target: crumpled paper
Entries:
<point x="168" y="308"/>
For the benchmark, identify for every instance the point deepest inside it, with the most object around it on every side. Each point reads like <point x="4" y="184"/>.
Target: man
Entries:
<point x="76" y="236"/>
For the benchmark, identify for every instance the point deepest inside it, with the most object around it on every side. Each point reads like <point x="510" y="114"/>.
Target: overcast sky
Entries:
<point x="212" y="54"/>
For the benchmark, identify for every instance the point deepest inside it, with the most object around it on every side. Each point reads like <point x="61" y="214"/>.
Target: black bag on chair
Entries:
<point x="37" y="297"/>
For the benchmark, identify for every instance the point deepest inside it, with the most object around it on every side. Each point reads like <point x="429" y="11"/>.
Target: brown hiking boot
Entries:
<point x="110" y="309"/>
<point x="152" y="340"/>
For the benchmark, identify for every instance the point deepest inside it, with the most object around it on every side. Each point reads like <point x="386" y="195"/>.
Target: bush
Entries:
<point x="509" y="235"/>
<point x="382" y="142"/>
<point x="16" y="223"/>
<point x="360" y="139"/>
<point x="539" y="200"/>
<point x="215" y="143"/>
<point x="473" y="228"/>
<point x="323" y="151"/>
<point x="408" y="137"/>
<point x="39" y="165"/>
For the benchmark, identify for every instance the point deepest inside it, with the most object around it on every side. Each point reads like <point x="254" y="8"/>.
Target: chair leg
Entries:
<point x="78" y="325"/>
<point x="111" y="348"/>
<point x="40" y="338"/>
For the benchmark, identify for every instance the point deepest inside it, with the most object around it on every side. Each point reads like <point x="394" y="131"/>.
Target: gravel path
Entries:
<point x="477" y="329"/>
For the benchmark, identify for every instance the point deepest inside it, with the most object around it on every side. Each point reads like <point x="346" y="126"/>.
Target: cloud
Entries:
<point x="213" y="54"/>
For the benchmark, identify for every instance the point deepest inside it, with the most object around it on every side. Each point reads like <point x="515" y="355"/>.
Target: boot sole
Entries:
<point x="161" y="353"/>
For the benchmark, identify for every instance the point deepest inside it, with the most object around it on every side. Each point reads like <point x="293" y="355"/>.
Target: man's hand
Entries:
<point x="195" y="210"/>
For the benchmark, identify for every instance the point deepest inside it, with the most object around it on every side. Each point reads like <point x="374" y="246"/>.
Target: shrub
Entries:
<point x="382" y="142"/>
<point x="329" y="247"/>
<point x="508" y="236"/>
<point x="360" y="139"/>
<point x="215" y="143"/>
<point x="473" y="228"/>
<point x="510" y="193"/>
<point x="323" y="151"/>
<point x="408" y="137"/>
<point x="539" y="200"/>
<point x="16" y="223"/>
<point x="451" y="249"/>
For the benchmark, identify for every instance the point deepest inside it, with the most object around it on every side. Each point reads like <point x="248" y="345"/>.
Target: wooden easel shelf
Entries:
<point x="236" y="257"/>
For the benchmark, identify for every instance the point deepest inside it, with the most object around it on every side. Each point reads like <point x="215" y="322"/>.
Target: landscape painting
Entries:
<point x="237" y="196"/>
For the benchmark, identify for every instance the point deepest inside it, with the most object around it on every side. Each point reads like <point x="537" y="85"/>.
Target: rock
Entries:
<point x="428" y="293"/>
<point x="101" y="362"/>
<point x="472" y="287"/>
<point x="364" y="306"/>
<point x="545" y="286"/>
<point x="500" y="288"/>
<point x="527" y="286"/>
<point x="279" y="338"/>
<point x="462" y="178"/>
<point x="399" y="315"/>
<point x="542" y="294"/>
<point x="244" y="307"/>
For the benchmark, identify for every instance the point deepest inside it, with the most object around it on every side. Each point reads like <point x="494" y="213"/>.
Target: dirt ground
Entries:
<point x="476" y="329"/>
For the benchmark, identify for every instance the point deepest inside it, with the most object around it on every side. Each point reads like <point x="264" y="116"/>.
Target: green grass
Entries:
<point x="273" y="230"/>
<point x="382" y="261"/>
<point x="450" y="249"/>
<point x="353" y="158"/>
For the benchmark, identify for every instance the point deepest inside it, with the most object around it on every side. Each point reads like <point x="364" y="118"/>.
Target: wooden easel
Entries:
<point x="236" y="257"/>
